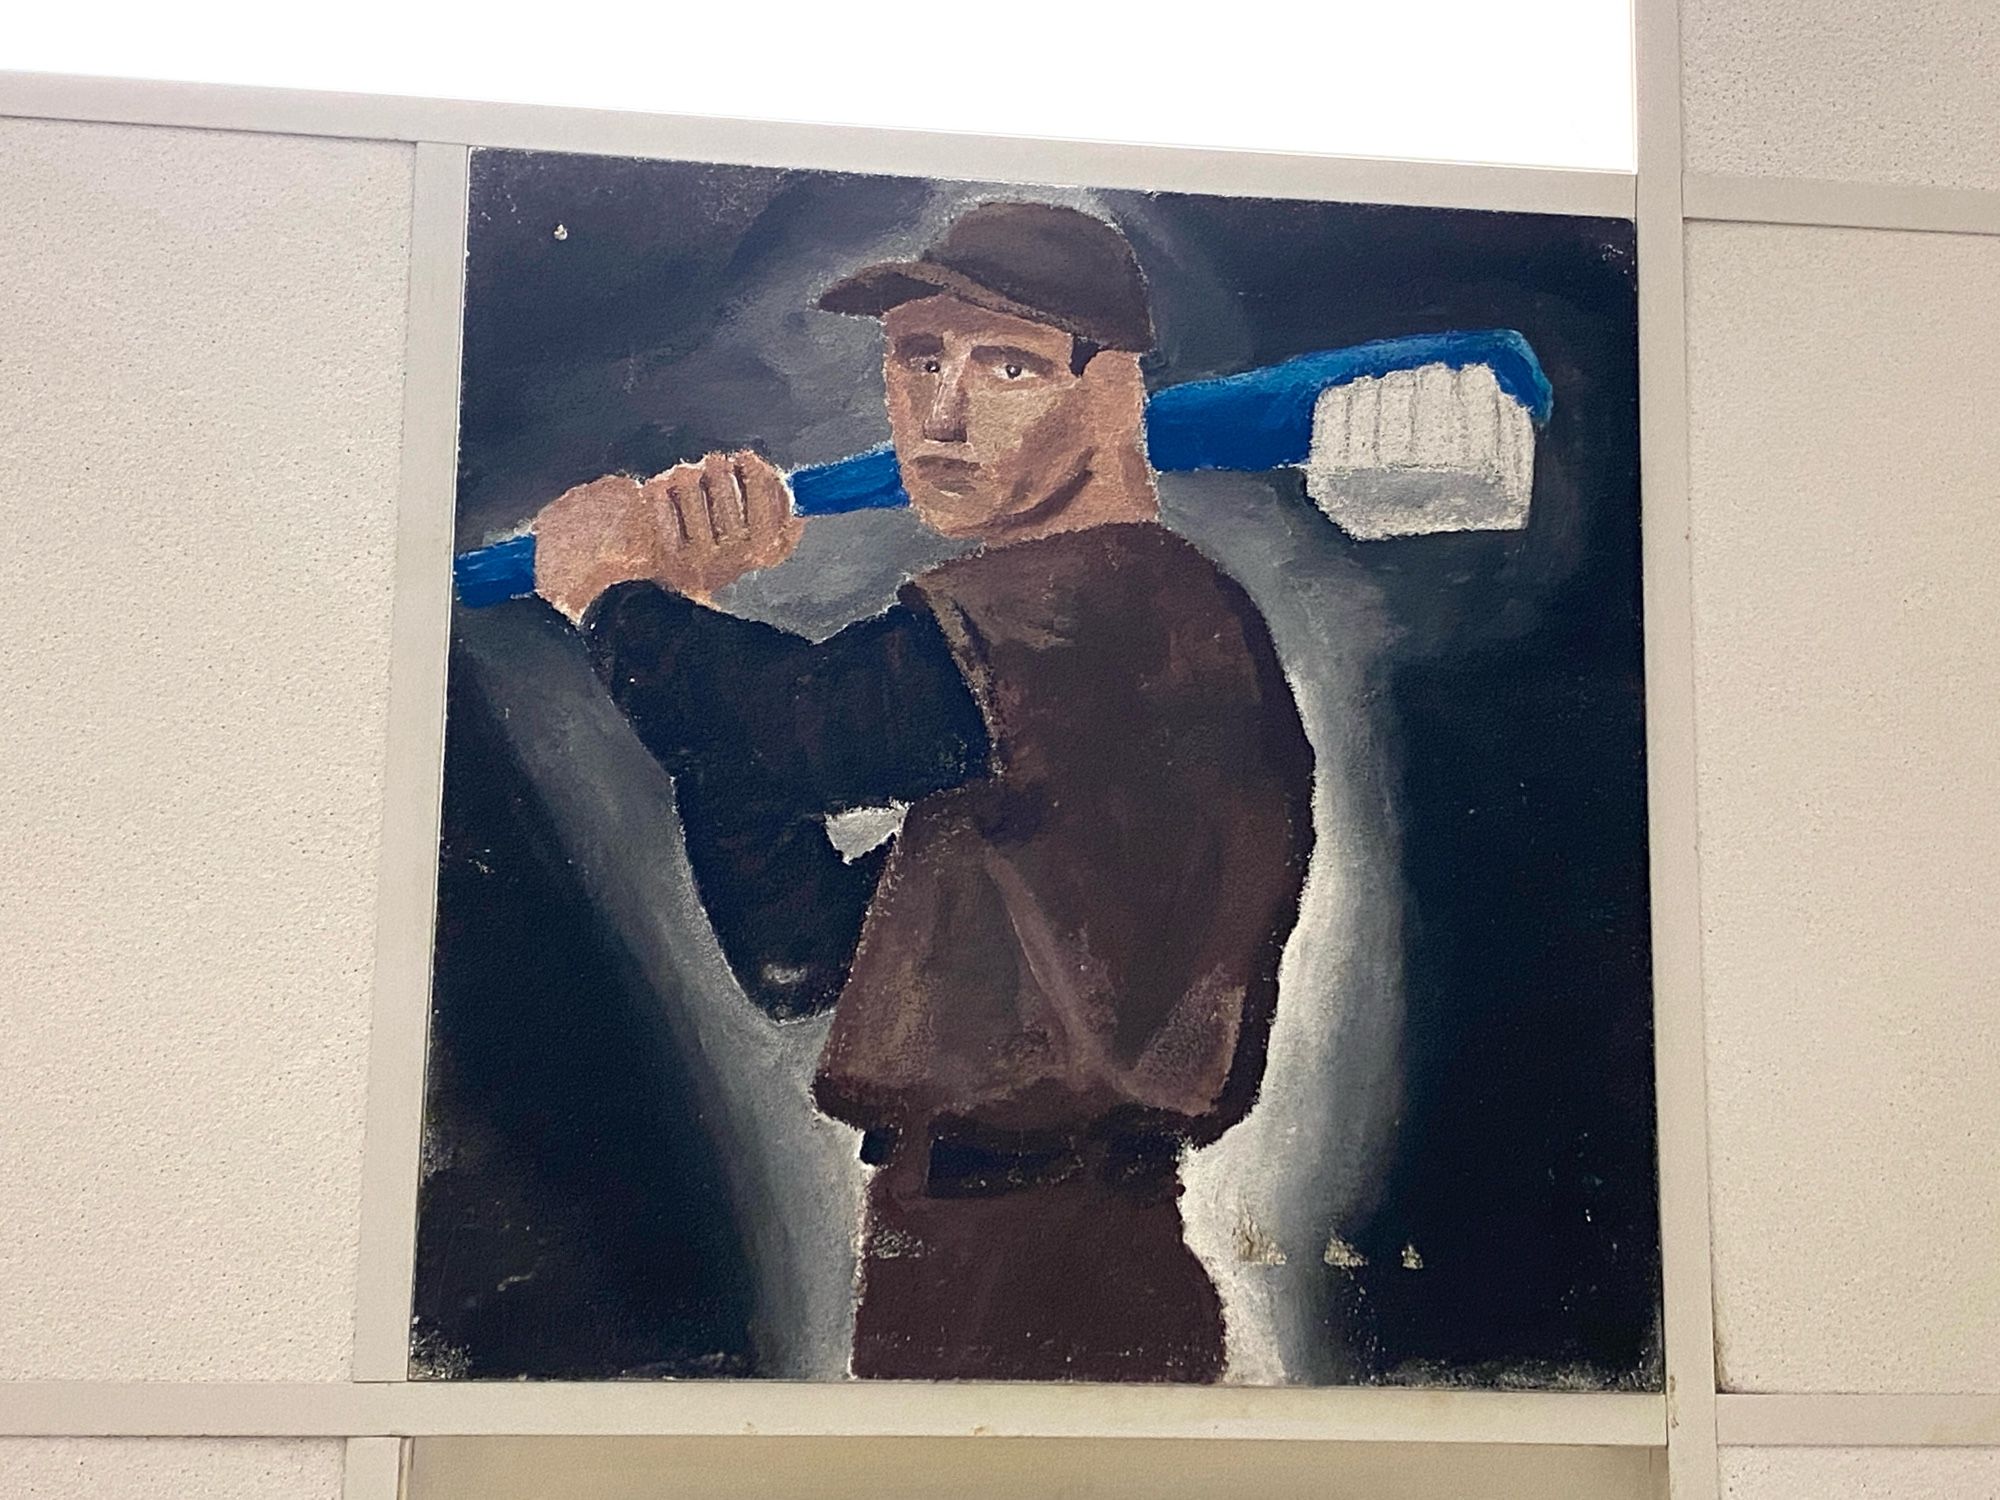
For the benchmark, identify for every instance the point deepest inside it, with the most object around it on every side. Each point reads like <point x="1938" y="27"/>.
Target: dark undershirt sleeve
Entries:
<point x="765" y="734"/>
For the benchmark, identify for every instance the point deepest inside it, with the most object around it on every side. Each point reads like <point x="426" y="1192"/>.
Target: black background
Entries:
<point x="571" y="1221"/>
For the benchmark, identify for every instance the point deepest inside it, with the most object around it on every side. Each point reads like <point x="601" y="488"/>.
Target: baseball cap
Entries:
<point x="1039" y="261"/>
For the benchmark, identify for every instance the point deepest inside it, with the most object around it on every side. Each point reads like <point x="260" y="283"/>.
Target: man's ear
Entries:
<point x="1113" y="375"/>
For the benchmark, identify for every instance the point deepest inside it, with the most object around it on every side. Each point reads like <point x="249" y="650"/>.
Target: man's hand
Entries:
<point x="695" y="529"/>
<point x="726" y="516"/>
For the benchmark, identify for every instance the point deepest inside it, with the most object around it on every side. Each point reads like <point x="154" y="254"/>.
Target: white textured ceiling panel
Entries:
<point x="201" y="349"/>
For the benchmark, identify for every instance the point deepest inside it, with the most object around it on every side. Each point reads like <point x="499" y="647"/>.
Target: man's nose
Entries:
<point x="945" y="421"/>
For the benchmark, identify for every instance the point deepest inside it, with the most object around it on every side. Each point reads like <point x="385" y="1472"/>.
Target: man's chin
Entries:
<point x="954" y="515"/>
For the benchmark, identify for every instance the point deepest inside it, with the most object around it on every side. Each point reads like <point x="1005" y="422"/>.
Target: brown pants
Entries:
<point x="1084" y="1277"/>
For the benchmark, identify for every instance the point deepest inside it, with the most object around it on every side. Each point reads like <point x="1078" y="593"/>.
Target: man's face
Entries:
<point x="992" y="430"/>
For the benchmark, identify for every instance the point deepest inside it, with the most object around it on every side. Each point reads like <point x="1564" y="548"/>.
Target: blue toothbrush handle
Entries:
<point x="1253" y="422"/>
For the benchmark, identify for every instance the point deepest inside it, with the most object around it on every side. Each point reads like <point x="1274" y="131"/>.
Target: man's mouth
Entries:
<point x="954" y="476"/>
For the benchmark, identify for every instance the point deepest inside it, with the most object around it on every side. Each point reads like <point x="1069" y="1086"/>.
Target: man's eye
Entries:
<point x="930" y="366"/>
<point x="1012" y="372"/>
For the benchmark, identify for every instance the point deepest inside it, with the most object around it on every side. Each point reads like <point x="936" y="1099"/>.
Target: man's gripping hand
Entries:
<point x="695" y="529"/>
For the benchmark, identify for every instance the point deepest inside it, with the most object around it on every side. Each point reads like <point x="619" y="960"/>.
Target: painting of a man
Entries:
<point x="1041" y="782"/>
<point x="1064" y="966"/>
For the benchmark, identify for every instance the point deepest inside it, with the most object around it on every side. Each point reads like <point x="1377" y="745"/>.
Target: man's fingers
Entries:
<point x="767" y="503"/>
<point x="727" y="517"/>
<point x="690" y="513"/>
<point x="662" y="515"/>
<point x="711" y="522"/>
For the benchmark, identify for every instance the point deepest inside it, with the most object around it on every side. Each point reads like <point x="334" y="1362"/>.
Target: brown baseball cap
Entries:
<point x="1040" y="261"/>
